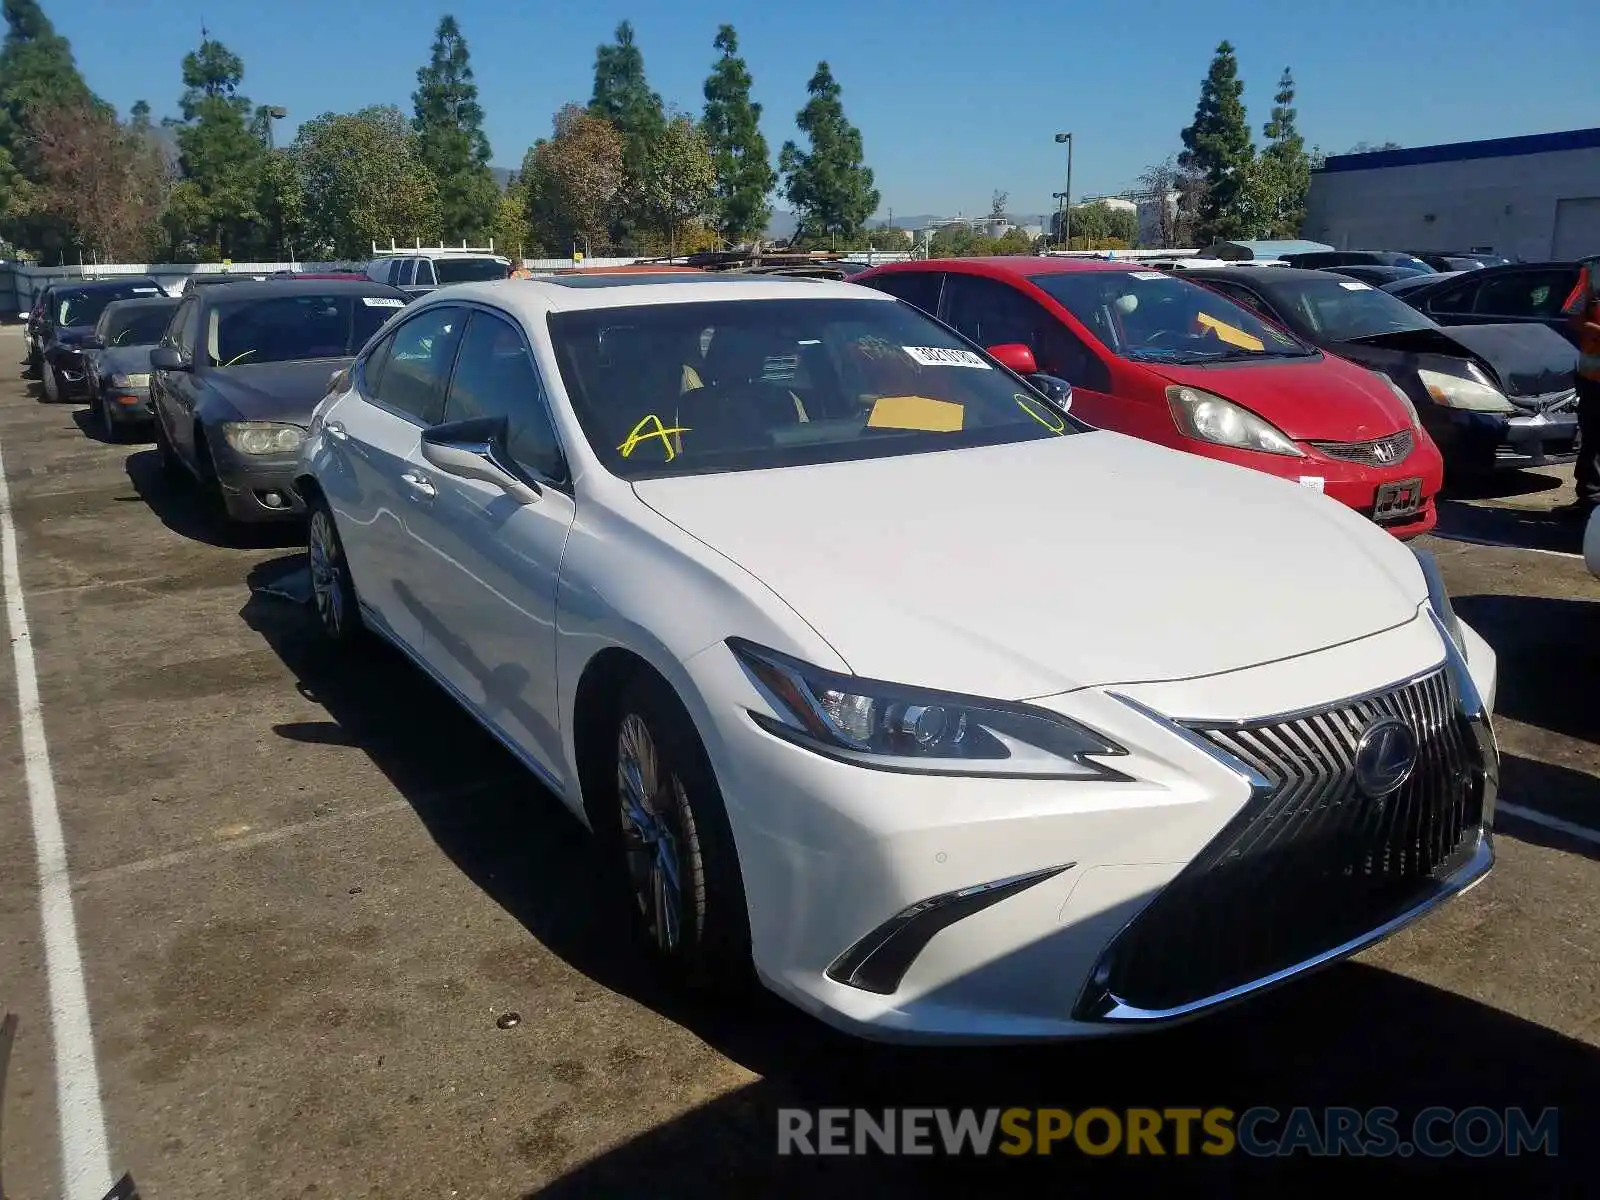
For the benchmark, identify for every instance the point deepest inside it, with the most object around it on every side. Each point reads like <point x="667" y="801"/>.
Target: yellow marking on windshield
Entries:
<point x="642" y="433"/>
<point x="1054" y="422"/>
<point x="917" y="413"/>
<point x="1227" y="333"/>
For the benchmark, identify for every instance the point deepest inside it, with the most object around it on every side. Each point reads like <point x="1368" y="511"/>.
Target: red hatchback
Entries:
<point x="1153" y="356"/>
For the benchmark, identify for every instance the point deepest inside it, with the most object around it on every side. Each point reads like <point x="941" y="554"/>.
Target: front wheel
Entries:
<point x="333" y="590"/>
<point x="672" y="835"/>
<point x="52" y="384"/>
<point x="110" y="428"/>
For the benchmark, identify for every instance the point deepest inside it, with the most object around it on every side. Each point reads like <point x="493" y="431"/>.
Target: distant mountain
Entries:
<point x="783" y="224"/>
<point x="502" y="175"/>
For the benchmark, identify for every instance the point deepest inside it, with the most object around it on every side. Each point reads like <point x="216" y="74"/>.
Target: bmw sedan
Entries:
<point x="881" y="677"/>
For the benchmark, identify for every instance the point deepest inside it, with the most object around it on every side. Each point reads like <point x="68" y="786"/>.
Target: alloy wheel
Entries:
<point x="653" y="801"/>
<point x="326" y="565"/>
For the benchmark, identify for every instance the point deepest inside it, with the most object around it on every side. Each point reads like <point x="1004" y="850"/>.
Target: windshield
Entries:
<point x="741" y="385"/>
<point x="284" y="328"/>
<point x="1150" y="317"/>
<point x="138" y="325"/>
<point x="84" y="307"/>
<point x="470" y="270"/>
<point x="1342" y="310"/>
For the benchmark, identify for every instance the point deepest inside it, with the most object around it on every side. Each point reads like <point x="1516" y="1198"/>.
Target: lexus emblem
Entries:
<point x="1386" y="755"/>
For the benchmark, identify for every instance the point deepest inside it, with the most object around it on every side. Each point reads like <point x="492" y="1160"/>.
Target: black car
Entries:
<point x="237" y="373"/>
<point x="68" y="315"/>
<point x="1376" y="275"/>
<point x="117" y="357"/>
<point x="1459" y="260"/>
<point x="1315" y="259"/>
<point x="1491" y="397"/>
<point x="1518" y="292"/>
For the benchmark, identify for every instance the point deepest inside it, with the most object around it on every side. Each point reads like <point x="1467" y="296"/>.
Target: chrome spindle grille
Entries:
<point x="1380" y="452"/>
<point x="1311" y="862"/>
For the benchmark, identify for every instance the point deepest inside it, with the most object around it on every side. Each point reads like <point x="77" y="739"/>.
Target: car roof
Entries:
<point x="143" y="302"/>
<point x="532" y="298"/>
<point x="1264" y="279"/>
<point x="100" y="285"/>
<point x="1019" y="265"/>
<point x="265" y="289"/>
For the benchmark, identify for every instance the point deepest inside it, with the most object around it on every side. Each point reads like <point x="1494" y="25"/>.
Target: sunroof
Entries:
<point x="629" y="279"/>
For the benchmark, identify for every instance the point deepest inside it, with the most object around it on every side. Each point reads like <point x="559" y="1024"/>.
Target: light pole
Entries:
<point x="1066" y="207"/>
<point x="1061" y="213"/>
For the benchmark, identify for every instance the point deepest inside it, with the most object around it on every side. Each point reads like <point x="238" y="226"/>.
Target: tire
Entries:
<point x="333" y="589"/>
<point x="667" y="831"/>
<point x="171" y="465"/>
<point x="111" y="430"/>
<point x="52" y="384"/>
<point x="229" y="531"/>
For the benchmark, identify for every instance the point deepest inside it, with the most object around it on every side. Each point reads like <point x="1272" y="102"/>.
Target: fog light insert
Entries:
<point x="273" y="499"/>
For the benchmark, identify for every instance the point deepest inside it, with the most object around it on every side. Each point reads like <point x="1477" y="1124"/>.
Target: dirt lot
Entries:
<point x="305" y="894"/>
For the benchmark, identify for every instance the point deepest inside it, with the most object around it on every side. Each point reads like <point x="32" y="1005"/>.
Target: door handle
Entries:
<point x="336" y="430"/>
<point x="419" y="485"/>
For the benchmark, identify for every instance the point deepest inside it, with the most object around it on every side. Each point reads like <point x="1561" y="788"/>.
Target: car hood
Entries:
<point x="1320" y="399"/>
<point x="1036" y="568"/>
<point x="124" y="360"/>
<point x="1525" y="359"/>
<point x="285" y="391"/>
<point x="71" y="335"/>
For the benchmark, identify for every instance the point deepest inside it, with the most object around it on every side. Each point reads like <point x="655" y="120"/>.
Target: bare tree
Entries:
<point x="105" y="181"/>
<point x="997" y="205"/>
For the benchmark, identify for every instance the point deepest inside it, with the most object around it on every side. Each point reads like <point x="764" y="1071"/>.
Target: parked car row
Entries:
<point x="871" y="663"/>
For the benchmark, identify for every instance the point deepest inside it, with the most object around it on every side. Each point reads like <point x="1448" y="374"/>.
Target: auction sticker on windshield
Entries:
<point x="1355" y="285"/>
<point x="938" y="356"/>
<point x="383" y="302"/>
<point x="1145" y="275"/>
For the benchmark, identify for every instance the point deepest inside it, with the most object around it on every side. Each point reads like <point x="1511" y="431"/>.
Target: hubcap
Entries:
<point x="324" y="560"/>
<point x="651" y="806"/>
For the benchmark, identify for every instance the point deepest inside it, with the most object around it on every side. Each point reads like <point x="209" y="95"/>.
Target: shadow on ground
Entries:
<point x="178" y="503"/>
<point x="1354" y="1036"/>
<point x="1544" y="643"/>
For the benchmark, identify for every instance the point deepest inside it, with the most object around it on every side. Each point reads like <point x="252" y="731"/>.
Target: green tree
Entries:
<point x="449" y="123"/>
<point x="1218" y="145"/>
<point x="282" y="206"/>
<point x="573" y="182"/>
<point x="1099" y="226"/>
<point x="220" y="155"/>
<point x="37" y="72"/>
<point x="510" y="229"/>
<point x="732" y="127"/>
<point x="828" y="185"/>
<point x="363" y="181"/>
<point x="1281" y="175"/>
<point x="623" y="98"/>
<point x="677" y="179"/>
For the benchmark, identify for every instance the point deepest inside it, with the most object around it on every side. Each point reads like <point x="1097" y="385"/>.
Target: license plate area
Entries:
<point x="1403" y="498"/>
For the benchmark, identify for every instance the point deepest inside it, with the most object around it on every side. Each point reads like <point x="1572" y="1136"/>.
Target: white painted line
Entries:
<point x="1472" y="541"/>
<point x="85" y="1160"/>
<point x="1582" y="832"/>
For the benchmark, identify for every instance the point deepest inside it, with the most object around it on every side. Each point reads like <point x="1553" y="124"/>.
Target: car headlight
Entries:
<point x="263" y="437"/>
<point x="1210" y="418"/>
<point x="1439" y="596"/>
<point x="1453" y="391"/>
<point x="130" y="381"/>
<point x="893" y="728"/>
<point x="1400" y="394"/>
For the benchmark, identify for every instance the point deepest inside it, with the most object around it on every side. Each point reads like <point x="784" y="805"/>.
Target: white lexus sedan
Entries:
<point x="878" y="674"/>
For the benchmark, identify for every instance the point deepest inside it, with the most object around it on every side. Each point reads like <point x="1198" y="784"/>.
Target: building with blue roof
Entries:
<point x="1533" y="198"/>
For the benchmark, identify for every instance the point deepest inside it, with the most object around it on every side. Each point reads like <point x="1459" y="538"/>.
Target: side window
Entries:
<point x="920" y="288"/>
<point x="1237" y="293"/>
<point x="1519" y="294"/>
<point x="992" y="314"/>
<point x="495" y="377"/>
<point x="418" y="363"/>
<point x="403" y="271"/>
<point x="425" y="271"/>
<point x="372" y="366"/>
<point x="181" y="330"/>
<point x="1454" y="300"/>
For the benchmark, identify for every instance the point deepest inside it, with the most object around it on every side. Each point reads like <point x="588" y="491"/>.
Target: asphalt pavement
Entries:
<point x="334" y="943"/>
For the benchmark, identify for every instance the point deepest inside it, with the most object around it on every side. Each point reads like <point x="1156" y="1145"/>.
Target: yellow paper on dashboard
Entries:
<point x="1227" y="333"/>
<point x="917" y="412"/>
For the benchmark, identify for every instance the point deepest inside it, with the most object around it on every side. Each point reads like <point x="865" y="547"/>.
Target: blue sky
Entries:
<point x="954" y="100"/>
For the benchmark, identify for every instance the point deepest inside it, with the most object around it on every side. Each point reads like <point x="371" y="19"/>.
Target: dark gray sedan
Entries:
<point x="234" y="380"/>
<point x="117" y="361"/>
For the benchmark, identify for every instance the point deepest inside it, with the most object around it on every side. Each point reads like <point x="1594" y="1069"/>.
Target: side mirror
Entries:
<point x="167" y="358"/>
<point x="1015" y="356"/>
<point x="1056" y="388"/>
<point x="477" y="449"/>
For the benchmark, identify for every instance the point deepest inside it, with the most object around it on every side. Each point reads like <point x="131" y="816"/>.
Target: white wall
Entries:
<point x="1507" y="203"/>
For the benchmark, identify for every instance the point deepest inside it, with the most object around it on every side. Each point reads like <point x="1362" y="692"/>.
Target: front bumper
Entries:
<point x="1487" y="442"/>
<point x="127" y="406"/>
<point x="256" y="490"/>
<point x="72" y="374"/>
<point x="1035" y="883"/>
